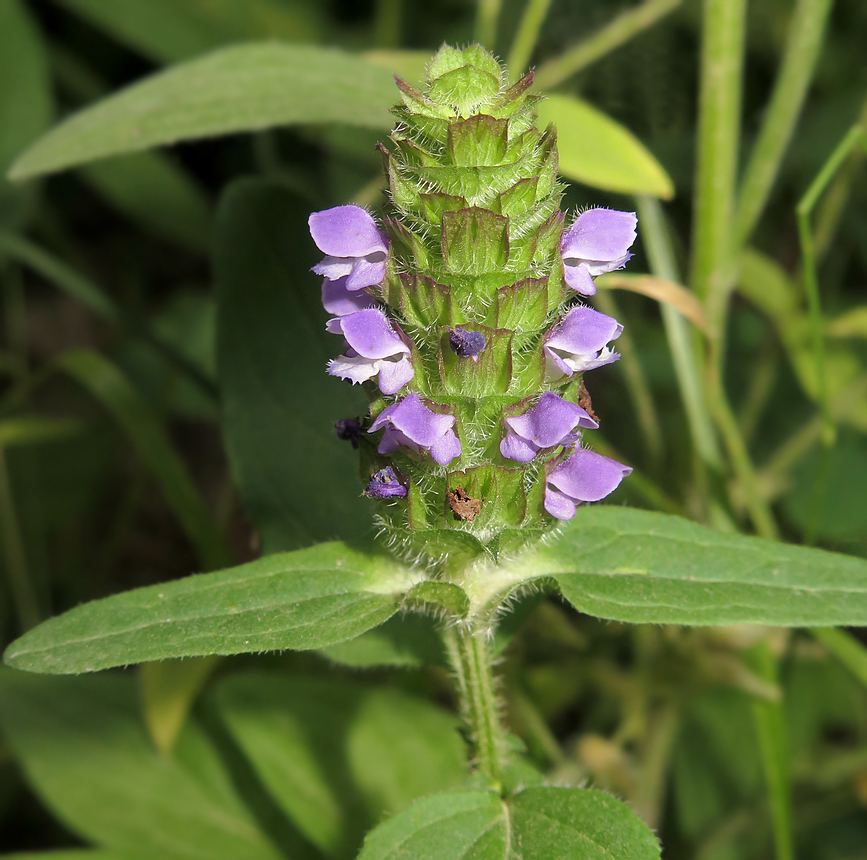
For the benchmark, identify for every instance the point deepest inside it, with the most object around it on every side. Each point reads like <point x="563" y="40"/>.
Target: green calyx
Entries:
<point x="474" y="234"/>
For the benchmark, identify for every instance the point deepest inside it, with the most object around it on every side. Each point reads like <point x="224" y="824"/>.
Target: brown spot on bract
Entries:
<point x="463" y="507"/>
<point x="585" y="402"/>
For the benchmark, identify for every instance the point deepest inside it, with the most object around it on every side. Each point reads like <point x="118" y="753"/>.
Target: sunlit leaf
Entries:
<point x="597" y="151"/>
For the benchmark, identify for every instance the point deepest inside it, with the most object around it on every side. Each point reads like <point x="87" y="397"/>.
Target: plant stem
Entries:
<point x="636" y="385"/>
<point x="527" y="35"/>
<point x="806" y="35"/>
<point x="613" y="35"/>
<point x="387" y="23"/>
<point x="718" y="136"/>
<point x="470" y="655"/>
<point x="769" y="719"/>
<point x="487" y="18"/>
<point x="663" y="264"/>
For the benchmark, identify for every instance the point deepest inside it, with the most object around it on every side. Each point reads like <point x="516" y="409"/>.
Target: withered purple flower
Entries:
<point x="355" y="248"/>
<point x="579" y="343"/>
<point x="410" y="424"/>
<point x="466" y="344"/>
<point x="376" y="347"/>
<point x="349" y="430"/>
<point x="551" y="422"/>
<point x="385" y="484"/>
<point x="583" y="476"/>
<point x="596" y="243"/>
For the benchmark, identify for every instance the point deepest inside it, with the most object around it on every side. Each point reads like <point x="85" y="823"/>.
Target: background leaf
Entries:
<point x="596" y="150"/>
<point x="26" y="102"/>
<point x="337" y="756"/>
<point x="150" y="189"/>
<point x="299" y="482"/>
<point x="171" y="30"/>
<point x="143" y="428"/>
<point x="638" y="566"/>
<point x="302" y="600"/>
<point x="84" y="750"/>
<point x="242" y="88"/>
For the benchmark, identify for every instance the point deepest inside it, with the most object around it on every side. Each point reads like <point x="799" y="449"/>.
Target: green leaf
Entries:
<point x="26" y="104"/>
<point x="631" y="565"/>
<point x="572" y="823"/>
<point x="470" y="825"/>
<point x="299" y="482"/>
<point x="535" y="824"/>
<point x="152" y="191"/>
<point x="301" y="600"/>
<point x="243" y="88"/>
<point x="171" y="30"/>
<point x="336" y="756"/>
<point x="150" y="439"/>
<point x="596" y="150"/>
<point x="84" y="751"/>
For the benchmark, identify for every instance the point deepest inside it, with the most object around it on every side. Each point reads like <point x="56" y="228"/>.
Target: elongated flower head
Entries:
<point x="459" y="309"/>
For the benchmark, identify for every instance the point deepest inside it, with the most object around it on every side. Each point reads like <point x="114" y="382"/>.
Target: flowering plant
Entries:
<point x="417" y="449"/>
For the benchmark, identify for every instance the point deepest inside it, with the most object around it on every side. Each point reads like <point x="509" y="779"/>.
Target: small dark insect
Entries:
<point x="463" y="507"/>
<point x="584" y="401"/>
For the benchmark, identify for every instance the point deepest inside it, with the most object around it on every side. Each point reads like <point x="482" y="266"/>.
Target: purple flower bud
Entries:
<point x="578" y="342"/>
<point x="549" y="423"/>
<point x="376" y="347"/>
<point x="596" y="243"/>
<point x="466" y="344"/>
<point x="584" y="476"/>
<point x="385" y="485"/>
<point x="341" y="302"/>
<point x="349" y="430"/>
<point x="410" y="424"/>
<point x="355" y="248"/>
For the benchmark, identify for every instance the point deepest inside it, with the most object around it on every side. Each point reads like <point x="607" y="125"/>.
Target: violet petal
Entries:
<point x="578" y="343"/>
<point x="346" y="231"/>
<point x="599" y="236"/>
<point x="586" y="476"/>
<point x="338" y="300"/>
<point x="371" y="334"/>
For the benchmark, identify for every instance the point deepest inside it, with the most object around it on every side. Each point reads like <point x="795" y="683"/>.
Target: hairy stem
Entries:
<point x="470" y="655"/>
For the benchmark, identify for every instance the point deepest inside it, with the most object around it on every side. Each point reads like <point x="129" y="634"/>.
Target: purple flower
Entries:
<point x="578" y="342"/>
<point x="410" y="424"/>
<point x="596" y="243"/>
<point x="550" y="422"/>
<point x="375" y="347"/>
<point x="466" y="344"/>
<point x="354" y="246"/>
<point x="583" y="476"/>
<point x="340" y="301"/>
<point x="385" y="484"/>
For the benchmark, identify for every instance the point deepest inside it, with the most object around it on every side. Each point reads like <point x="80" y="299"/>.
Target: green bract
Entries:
<point x="474" y="244"/>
